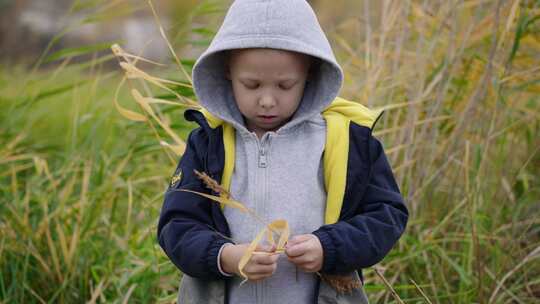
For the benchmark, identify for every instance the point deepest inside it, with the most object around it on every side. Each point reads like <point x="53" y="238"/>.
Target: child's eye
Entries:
<point x="286" y="87"/>
<point x="251" y="86"/>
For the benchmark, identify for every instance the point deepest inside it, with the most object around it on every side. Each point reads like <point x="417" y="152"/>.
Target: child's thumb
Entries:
<point x="297" y="239"/>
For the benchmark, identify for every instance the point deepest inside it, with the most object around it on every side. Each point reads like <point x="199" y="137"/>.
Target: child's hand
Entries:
<point x="306" y="252"/>
<point x="260" y="266"/>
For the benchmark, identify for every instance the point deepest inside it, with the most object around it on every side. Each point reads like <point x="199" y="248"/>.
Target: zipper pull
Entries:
<point x="262" y="158"/>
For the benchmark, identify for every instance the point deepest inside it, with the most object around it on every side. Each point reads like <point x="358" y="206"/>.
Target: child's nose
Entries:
<point x="267" y="101"/>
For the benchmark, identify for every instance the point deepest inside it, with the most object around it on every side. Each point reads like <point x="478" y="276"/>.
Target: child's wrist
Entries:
<point x="220" y="262"/>
<point x="227" y="259"/>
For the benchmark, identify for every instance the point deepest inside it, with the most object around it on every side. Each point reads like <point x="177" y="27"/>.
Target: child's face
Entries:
<point x="268" y="86"/>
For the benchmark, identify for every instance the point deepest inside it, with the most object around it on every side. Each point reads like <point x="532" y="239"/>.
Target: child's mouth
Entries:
<point x="267" y="118"/>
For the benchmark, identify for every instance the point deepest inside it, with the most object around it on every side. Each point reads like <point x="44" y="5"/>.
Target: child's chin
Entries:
<point x="271" y="127"/>
<point x="268" y="125"/>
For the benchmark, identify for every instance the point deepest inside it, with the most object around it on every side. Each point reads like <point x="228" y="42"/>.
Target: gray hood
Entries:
<point x="278" y="24"/>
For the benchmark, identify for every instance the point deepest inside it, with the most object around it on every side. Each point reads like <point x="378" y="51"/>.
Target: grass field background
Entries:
<point x="81" y="185"/>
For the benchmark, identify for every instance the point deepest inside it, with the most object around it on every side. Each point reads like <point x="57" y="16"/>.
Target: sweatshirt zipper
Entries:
<point x="261" y="180"/>
<point x="261" y="144"/>
<point x="262" y="157"/>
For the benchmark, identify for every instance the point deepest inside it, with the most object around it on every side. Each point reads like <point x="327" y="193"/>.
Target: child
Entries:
<point x="273" y="132"/>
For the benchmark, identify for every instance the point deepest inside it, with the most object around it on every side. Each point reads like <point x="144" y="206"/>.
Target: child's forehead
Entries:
<point x="259" y="57"/>
<point x="256" y="52"/>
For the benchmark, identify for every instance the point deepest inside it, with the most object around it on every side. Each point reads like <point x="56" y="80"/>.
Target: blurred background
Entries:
<point x="84" y="164"/>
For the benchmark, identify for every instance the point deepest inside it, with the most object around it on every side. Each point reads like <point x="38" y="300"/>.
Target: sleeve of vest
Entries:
<point x="185" y="228"/>
<point x="367" y="237"/>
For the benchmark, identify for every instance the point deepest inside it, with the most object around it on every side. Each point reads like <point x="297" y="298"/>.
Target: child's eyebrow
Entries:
<point x="286" y="78"/>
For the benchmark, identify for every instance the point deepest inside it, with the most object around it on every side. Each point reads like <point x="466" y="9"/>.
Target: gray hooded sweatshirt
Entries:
<point x="279" y="176"/>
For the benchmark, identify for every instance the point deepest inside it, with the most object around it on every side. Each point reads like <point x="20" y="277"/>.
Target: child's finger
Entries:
<point x="302" y="259"/>
<point x="297" y="239"/>
<point x="258" y="269"/>
<point x="296" y="250"/>
<point x="264" y="259"/>
<point x="265" y="248"/>
<point x="307" y="263"/>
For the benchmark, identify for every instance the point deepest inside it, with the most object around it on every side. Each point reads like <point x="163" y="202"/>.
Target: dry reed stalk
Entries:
<point x="96" y="293"/>
<point x="534" y="254"/>
<point x="283" y="230"/>
<point x="120" y="53"/>
<point x="422" y="292"/>
<point x="128" y="63"/>
<point x="388" y="286"/>
<point x="430" y="275"/>
<point x="128" y="293"/>
<point x="226" y="199"/>
<point x="162" y="32"/>
<point x="134" y="116"/>
<point x="212" y="184"/>
<point x="131" y="115"/>
<point x="33" y="293"/>
<point x="179" y="145"/>
<point x="506" y="290"/>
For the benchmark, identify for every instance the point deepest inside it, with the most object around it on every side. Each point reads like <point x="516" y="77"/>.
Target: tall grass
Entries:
<point x="79" y="197"/>
<point x="460" y="84"/>
<point x="81" y="187"/>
